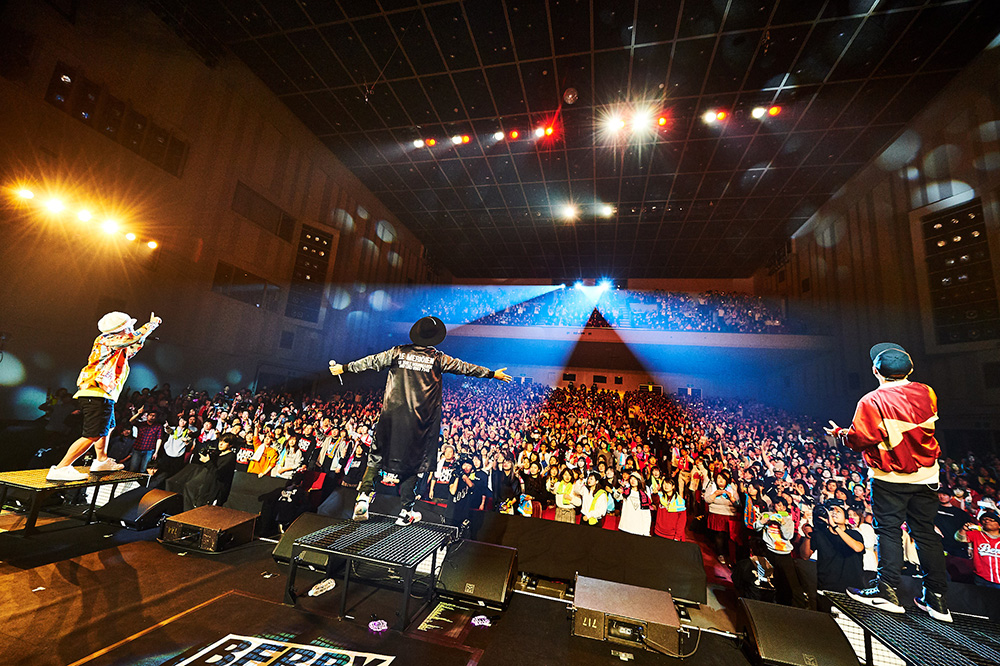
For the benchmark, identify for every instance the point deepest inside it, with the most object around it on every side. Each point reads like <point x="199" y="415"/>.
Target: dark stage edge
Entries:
<point x="532" y="631"/>
<point x="141" y="603"/>
<point x="918" y="639"/>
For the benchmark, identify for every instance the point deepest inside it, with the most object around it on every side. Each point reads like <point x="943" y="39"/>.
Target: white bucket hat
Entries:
<point x="114" y="322"/>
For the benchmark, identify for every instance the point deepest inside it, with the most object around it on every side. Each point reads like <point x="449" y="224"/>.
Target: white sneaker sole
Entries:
<point x="933" y="613"/>
<point x="879" y="603"/>
<point x="360" y="515"/>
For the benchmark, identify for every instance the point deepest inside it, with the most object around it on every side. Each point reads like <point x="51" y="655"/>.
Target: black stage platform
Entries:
<point x="531" y="632"/>
<point x="919" y="640"/>
<point x="141" y="603"/>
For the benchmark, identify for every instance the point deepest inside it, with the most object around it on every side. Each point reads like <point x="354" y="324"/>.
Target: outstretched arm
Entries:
<point x="138" y="337"/>
<point x="456" y="366"/>
<point x="373" y="362"/>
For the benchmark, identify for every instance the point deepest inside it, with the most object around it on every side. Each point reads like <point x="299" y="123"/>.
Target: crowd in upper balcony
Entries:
<point x="597" y="307"/>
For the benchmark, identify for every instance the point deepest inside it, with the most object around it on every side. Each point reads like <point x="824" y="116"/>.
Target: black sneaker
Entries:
<point x="878" y="595"/>
<point x="935" y="606"/>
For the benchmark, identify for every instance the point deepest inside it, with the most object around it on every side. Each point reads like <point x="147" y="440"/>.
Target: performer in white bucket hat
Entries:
<point x="99" y="384"/>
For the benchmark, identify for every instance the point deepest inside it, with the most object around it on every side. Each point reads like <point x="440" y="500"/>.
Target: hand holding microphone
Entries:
<point x="337" y="370"/>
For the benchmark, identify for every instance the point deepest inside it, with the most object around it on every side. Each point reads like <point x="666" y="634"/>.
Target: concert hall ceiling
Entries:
<point x="689" y="198"/>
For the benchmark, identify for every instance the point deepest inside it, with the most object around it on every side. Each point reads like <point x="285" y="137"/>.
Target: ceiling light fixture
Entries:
<point x="418" y="143"/>
<point x="456" y="139"/>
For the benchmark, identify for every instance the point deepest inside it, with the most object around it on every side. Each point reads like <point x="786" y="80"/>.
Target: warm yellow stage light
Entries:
<point x="110" y="226"/>
<point x="55" y="205"/>
<point x="130" y="236"/>
<point x="26" y="194"/>
<point x="84" y="215"/>
<point x="151" y="245"/>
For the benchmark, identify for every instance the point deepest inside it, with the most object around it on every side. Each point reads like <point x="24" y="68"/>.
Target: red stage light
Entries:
<point x="661" y="121"/>
<point x="430" y="142"/>
<point x="465" y="138"/>
<point x="514" y="134"/>
<point x="721" y="115"/>
<point x="549" y="130"/>
<point x="774" y="110"/>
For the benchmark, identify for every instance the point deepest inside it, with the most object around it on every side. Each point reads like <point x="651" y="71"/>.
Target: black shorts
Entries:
<point x="98" y="415"/>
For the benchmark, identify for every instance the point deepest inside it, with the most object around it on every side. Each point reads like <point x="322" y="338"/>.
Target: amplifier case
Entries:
<point x="600" y="605"/>
<point x="210" y="529"/>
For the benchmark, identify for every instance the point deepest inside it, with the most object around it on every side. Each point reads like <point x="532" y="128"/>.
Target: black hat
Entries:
<point x="428" y="331"/>
<point x="891" y="360"/>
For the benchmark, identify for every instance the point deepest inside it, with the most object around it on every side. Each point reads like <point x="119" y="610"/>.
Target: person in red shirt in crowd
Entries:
<point x="984" y="546"/>
<point x="893" y="429"/>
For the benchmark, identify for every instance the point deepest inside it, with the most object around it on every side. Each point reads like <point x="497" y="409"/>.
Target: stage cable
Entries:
<point x="664" y="651"/>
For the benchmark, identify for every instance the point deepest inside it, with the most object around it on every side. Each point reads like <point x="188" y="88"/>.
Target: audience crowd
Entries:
<point x="766" y="488"/>
<point x="710" y="311"/>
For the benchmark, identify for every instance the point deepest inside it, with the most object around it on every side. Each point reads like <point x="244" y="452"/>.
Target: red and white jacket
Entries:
<point x="893" y="429"/>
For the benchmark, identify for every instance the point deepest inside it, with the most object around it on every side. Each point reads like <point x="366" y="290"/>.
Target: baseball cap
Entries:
<point x="891" y="360"/>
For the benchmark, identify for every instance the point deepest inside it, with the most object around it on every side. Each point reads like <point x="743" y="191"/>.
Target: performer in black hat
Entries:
<point x="409" y="427"/>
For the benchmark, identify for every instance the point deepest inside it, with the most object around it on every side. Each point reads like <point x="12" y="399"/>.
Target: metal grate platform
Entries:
<point x="381" y="540"/>
<point x="34" y="479"/>
<point x="919" y="640"/>
<point x="377" y="542"/>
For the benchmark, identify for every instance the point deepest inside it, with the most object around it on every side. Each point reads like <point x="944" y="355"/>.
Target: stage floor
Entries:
<point x="141" y="603"/>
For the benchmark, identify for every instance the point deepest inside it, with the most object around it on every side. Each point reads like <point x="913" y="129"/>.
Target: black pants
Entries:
<point x="917" y="505"/>
<point x="789" y="589"/>
<point x="407" y="487"/>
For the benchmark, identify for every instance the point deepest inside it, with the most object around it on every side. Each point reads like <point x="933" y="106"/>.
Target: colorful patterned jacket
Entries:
<point x="107" y="368"/>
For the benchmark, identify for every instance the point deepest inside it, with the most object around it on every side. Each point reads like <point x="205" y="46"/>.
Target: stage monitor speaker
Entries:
<point x="626" y="614"/>
<point x="305" y="524"/>
<point x="140" y="508"/>
<point x="209" y="529"/>
<point x="786" y="636"/>
<point x="248" y="489"/>
<point x="479" y="572"/>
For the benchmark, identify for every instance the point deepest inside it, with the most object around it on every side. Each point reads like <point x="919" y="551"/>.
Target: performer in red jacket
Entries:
<point x="893" y="428"/>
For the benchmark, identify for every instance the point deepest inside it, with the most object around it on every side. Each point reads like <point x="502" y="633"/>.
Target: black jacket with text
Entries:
<point x="408" y="430"/>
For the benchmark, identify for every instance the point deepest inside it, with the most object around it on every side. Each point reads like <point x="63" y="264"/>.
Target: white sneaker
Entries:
<point x="322" y="587"/>
<point x="68" y="473"/>
<point x="361" y="506"/>
<point x="408" y="517"/>
<point x="108" y="465"/>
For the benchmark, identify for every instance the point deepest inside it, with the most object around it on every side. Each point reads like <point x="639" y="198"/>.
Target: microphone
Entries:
<point x="341" y="375"/>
